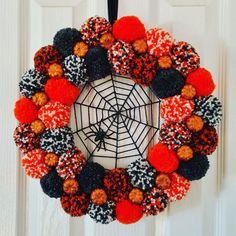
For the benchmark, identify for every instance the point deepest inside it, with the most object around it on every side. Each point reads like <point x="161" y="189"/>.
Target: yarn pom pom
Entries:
<point x="128" y="212"/>
<point x="167" y="83"/>
<point x="54" y="115"/>
<point x="162" y="158"/>
<point x="202" y="81"/>
<point x="57" y="140"/>
<point x="164" y="62"/>
<point x="75" y="205"/>
<point x="40" y="99"/>
<point x="80" y="49"/>
<point x="209" y="108"/>
<point x="70" y="186"/>
<point x="65" y="39"/>
<point x="75" y="70"/>
<point x="142" y="174"/>
<point x="128" y="29"/>
<point x="46" y="56"/>
<point x="195" y="168"/>
<point x="98" y="196"/>
<point x="25" y="111"/>
<point x="55" y="70"/>
<point x="107" y="40"/>
<point x="195" y="123"/>
<point x="91" y="177"/>
<point x="140" y="46"/>
<point x="174" y="135"/>
<point x="185" y="153"/>
<point x="62" y="91"/>
<point x="34" y="165"/>
<point x="188" y="91"/>
<point x="93" y="29"/>
<point x="163" y="181"/>
<point x="97" y="63"/>
<point x="178" y="189"/>
<point x="117" y="184"/>
<point x="184" y="58"/>
<point x="136" y="196"/>
<point x="176" y="109"/>
<point x="103" y="214"/>
<point x="143" y="69"/>
<point x="159" y="42"/>
<point x="120" y="56"/>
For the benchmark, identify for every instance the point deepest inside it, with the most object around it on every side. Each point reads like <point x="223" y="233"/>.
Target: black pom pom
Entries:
<point x="97" y="63"/>
<point x="167" y="83"/>
<point x="65" y="40"/>
<point x="91" y="177"/>
<point x="52" y="184"/>
<point x="195" y="168"/>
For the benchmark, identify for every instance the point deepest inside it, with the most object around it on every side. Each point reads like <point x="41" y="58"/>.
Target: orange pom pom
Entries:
<point x="163" y="181"/>
<point x="188" y="91"/>
<point x="51" y="159"/>
<point x="136" y="195"/>
<point x="40" y="99"/>
<point x="70" y="186"/>
<point x="37" y="126"/>
<point x="55" y="70"/>
<point x="164" y="62"/>
<point x="80" y="49"/>
<point x="185" y="153"/>
<point x="195" y="123"/>
<point x="107" y="40"/>
<point x="99" y="196"/>
<point x="140" y="46"/>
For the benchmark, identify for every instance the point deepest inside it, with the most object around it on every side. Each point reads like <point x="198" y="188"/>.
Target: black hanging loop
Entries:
<point x="112" y="6"/>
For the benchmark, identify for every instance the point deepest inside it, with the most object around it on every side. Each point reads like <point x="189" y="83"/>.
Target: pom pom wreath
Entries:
<point x="34" y="165"/>
<point x="107" y="40"/>
<point x="70" y="163"/>
<point x="188" y="91"/>
<point x="164" y="62"/>
<point x="128" y="212"/>
<point x="31" y="82"/>
<point x="51" y="159"/>
<point x="80" y="49"/>
<point x="128" y="29"/>
<point x="163" y="181"/>
<point x="167" y="83"/>
<point x="206" y="141"/>
<point x="37" y="126"/>
<point x="117" y="184"/>
<point x="91" y="177"/>
<point x="25" y="111"/>
<point x="93" y="29"/>
<point x="174" y="135"/>
<point x="46" y="56"/>
<point x="178" y="189"/>
<point x="202" y="81"/>
<point x="57" y="140"/>
<point x="70" y="186"/>
<point x="136" y="196"/>
<point x="55" y="70"/>
<point x="195" y="123"/>
<point x="98" y="196"/>
<point x="184" y="58"/>
<point x="40" y="99"/>
<point x="176" y="108"/>
<point x="54" y="115"/>
<point x="143" y="69"/>
<point x="75" y="70"/>
<point x="65" y="39"/>
<point x="97" y="63"/>
<point x="159" y="42"/>
<point x="140" y="46"/>
<point x="185" y="153"/>
<point x="104" y="214"/>
<point x="120" y="56"/>
<point x="75" y="205"/>
<point x="162" y="158"/>
<point x="62" y="91"/>
<point x="25" y="139"/>
<point x="209" y="108"/>
<point x="142" y="175"/>
<point x="154" y="202"/>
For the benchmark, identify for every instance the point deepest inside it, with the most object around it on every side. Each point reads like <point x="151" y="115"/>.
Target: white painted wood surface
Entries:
<point x="209" y="25"/>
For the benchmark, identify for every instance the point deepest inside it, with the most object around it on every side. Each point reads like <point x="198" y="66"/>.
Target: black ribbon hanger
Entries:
<point x="112" y="10"/>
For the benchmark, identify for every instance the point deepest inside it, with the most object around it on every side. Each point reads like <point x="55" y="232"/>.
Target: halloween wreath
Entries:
<point x="149" y="59"/>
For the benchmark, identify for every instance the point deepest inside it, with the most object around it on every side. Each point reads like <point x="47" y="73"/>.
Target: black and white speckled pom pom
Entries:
<point x="104" y="214"/>
<point x="31" y="82"/>
<point x="142" y="174"/>
<point x="209" y="108"/>
<point x="57" y="140"/>
<point x="75" y="70"/>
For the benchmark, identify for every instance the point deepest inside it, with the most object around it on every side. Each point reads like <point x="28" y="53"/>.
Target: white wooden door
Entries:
<point x="209" y="209"/>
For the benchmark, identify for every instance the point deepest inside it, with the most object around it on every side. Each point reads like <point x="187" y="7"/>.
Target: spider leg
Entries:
<point x="90" y="136"/>
<point x="104" y="146"/>
<point x="99" y="146"/>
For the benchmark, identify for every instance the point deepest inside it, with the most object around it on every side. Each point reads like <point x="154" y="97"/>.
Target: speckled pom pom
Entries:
<point x="167" y="83"/>
<point x="142" y="174"/>
<point x="104" y="214"/>
<point x="54" y="115"/>
<point x="176" y="108"/>
<point x="185" y="58"/>
<point x="75" y="70"/>
<point x="57" y="140"/>
<point x="178" y="189"/>
<point x="34" y="165"/>
<point x="159" y="42"/>
<point x="154" y="202"/>
<point x="117" y="184"/>
<point x="94" y="28"/>
<point x="25" y="139"/>
<point x="31" y="82"/>
<point x="174" y="135"/>
<point x="120" y="56"/>
<point x="91" y="177"/>
<point x="209" y="108"/>
<point x="143" y="69"/>
<point x="75" y="205"/>
<point x="70" y="163"/>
